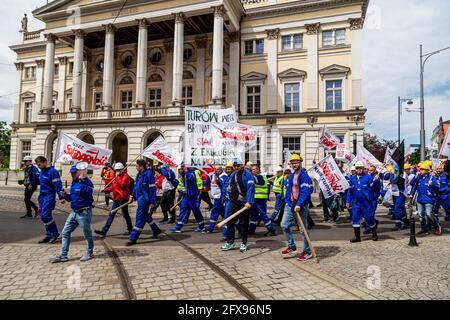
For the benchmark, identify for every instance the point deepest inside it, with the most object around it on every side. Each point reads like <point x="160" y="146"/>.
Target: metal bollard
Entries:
<point x="412" y="231"/>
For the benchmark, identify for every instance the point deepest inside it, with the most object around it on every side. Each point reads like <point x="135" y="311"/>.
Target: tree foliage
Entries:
<point x="5" y="145"/>
<point x="376" y="145"/>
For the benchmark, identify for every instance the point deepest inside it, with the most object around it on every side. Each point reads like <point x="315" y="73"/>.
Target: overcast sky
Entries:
<point x="393" y="31"/>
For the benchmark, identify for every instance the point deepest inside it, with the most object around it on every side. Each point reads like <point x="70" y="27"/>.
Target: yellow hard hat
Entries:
<point x="229" y="164"/>
<point x="424" y="166"/>
<point x="407" y="166"/>
<point x="249" y="163"/>
<point x="296" y="157"/>
<point x="390" y="169"/>
<point x="430" y="163"/>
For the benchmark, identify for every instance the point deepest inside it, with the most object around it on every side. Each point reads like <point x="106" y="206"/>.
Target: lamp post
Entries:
<point x="354" y="143"/>
<point x="400" y="102"/>
<point x="423" y="60"/>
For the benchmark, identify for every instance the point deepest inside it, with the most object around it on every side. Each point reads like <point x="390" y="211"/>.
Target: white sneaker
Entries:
<point x="86" y="257"/>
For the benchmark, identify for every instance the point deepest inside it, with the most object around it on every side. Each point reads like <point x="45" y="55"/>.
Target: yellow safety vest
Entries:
<point x="180" y="186"/>
<point x="198" y="176"/>
<point x="262" y="191"/>
<point x="277" y="184"/>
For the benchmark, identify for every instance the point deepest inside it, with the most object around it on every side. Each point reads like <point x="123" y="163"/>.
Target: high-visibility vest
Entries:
<point x="198" y="177"/>
<point x="277" y="183"/>
<point x="262" y="191"/>
<point x="180" y="186"/>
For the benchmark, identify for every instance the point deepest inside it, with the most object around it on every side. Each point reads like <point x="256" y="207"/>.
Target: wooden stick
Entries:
<point x="118" y="208"/>
<point x="176" y="205"/>
<point x="234" y="215"/>
<point x="305" y="233"/>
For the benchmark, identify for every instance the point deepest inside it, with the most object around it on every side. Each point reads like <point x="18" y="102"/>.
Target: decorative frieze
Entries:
<point x="110" y="28"/>
<point x="313" y="29"/>
<point x="356" y="24"/>
<point x="273" y="34"/>
<point x="220" y="11"/>
<point x="19" y="66"/>
<point x="40" y="63"/>
<point x="180" y="17"/>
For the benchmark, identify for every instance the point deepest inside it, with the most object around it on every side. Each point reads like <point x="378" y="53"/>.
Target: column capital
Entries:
<point x="313" y="29"/>
<point x="273" y="34"/>
<point x="63" y="60"/>
<point x="143" y="23"/>
<point x="79" y="34"/>
<point x="234" y="36"/>
<point x="201" y="42"/>
<point x="219" y="11"/>
<point x="50" y="37"/>
<point x="110" y="28"/>
<point x="19" y="65"/>
<point x="180" y="17"/>
<point x="40" y="63"/>
<point x="168" y="46"/>
<point x="356" y="24"/>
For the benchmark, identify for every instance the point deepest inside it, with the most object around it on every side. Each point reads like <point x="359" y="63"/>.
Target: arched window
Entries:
<point x="187" y="75"/>
<point x="127" y="80"/>
<point x="155" y="77"/>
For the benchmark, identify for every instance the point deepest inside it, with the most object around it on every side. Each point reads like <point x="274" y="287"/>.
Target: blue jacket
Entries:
<point x="144" y="190"/>
<point x="190" y="183"/>
<point x="33" y="175"/>
<point x="361" y="190"/>
<point x="249" y="184"/>
<point x="444" y="187"/>
<point x="226" y="183"/>
<point x="170" y="175"/>
<point x="376" y="186"/>
<point x="426" y="193"/>
<point x="81" y="194"/>
<point x="50" y="181"/>
<point x="305" y="186"/>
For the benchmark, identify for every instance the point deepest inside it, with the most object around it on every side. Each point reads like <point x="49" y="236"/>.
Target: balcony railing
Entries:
<point x="32" y="35"/>
<point x="58" y="116"/>
<point x="88" y="115"/>
<point x="151" y="112"/>
<point x="120" y="113"/>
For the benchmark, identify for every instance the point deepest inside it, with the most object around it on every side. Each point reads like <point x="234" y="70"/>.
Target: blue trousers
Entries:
<point x="259" y="210"/>
<point x="47" y="204"/>
<point x="278" y="204"/>
<point x="216" y="212"/>
<point x="426" y="211"/>
<point x="288" y="219"/>
<point x="445" y="202"/>
<point x="142" y="217"/>
<point x="362" y="210"/>
<point x="226" y="203"/>
<point x="399" y="209"/>
<point x="83" y="219"/>
<point x="374" y="206"/>
<point x="188" y="204"/>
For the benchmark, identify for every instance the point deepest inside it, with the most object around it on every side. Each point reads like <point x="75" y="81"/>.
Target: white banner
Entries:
<point x="445" y="149"/>
<point x="70" y="150"/>
<point x="408" y="154"/>
<point x="343" y="153"/>
<point x="388" y="155"/>
<point x="199" y="149"/>
<point x="160" y="151"/>
<point x="366" y="157"/>
<point x="234" y="136"/>
<point x="331" y="179"/>
<point x="328" y="140"/>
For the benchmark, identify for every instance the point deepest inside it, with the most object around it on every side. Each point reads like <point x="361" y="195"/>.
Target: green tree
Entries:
<point x="376" y="145"/>
<point x="5" y="145"/>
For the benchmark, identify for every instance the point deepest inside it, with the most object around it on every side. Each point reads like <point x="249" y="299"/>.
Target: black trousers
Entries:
<point x="243" y="221"/>
<point x="167" y="202"/>
<point x="205" y="197"/>
<point x="28" y="203"/>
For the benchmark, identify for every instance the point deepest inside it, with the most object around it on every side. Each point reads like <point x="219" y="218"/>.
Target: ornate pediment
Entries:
<point x="292" y="73"/>
<point x="254" y="76"/>
<point x="334" y="70"/>
<point x="28" y="95"/>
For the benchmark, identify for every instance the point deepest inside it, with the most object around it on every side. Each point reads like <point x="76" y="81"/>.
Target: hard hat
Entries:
<point x="407" y="166"/>
<point x="390" y="169"/>
<point x="424" y="166"/>
<point x="249" y="163"/>
<point x="27" y="158"/>
<point x="82" y="166"/>
<point x="359" y="165"/>
<point x="229" y="164"/>
<point x="353" y="168"/>
<point x="296" y="157"/>
<point x="280" y="169"/>
<point x="237" y="161"/>
<point x="430" y="163"/>
<point x="119" y="166"/>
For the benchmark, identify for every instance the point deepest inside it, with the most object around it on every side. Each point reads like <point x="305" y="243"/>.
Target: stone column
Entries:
<point x="312" y="31"/>
<point x="16" y="98"/>
<point x="39" y="88"/>
<point x="141" y="74"/>
<point x="49" y="73"/>
<point x="177" y="85"/>
<point x="62" y="84"/>
<point x="233" y="75"/>
<point x="217" y="63"/>
<point x="84" y="85"/>
<point x="168" y="49"/>
<point x="77" y="77"/>
<point x="272" y="76"/>
<point x="356" y="26"/>
<point x="108" y="67"/>
<point x="200" y="79"/>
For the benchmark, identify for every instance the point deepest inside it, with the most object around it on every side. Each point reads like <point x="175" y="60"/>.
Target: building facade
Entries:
<point x="120" y="75"/>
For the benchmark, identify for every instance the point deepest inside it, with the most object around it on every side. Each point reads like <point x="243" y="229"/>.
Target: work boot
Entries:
<point x="130" y="243"/>
<point x="53" y="240"/>
<point x="86" y="257"/>
<point x="357" y="237"/>
<point x="26" y="216"/>
<point x="374" y="234"/>
<point x="58" y="259"/>
<point x="100" y="233"/>
<point x="45" y="240"/>
<point x="156" y="233"/>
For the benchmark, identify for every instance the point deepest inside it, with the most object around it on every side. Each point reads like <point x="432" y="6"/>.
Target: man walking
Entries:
<point x="216" y="182"/>
<point x="81" y="201"/>
<point x="277" y="186"/>
<point x="30" y="182"/>
<point x="169" y="185"/>
<point x="121" y="189"/>
<point x="107" y="175"/>
<point x="297" y="199"/>
<point x="50" y="182"/>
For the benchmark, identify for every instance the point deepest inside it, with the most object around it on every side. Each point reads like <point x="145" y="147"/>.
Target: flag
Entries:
<point x="366" y="157"/>
<point x="160" y="151"/>
<point x="328" y="140"/>
<point x="399" y="156"/>
<point x="388" y="155"/>
<point x="330" y="178"/>
<point x="287" y="158"/>
<point x="445" y="149"/>
<point x="408" y="153"/>
<point x="235" y="136"/>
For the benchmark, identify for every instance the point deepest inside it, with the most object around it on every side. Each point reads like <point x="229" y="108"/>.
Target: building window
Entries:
<point x="156" y="57"/>
<point x="187" y="96"/>
<point x="224" y="92"/>
<point x="56" y="70"/>
<point x="154" y="97"/>
<point x="292" y="42"/>
<point x="253" y="155"/>
<point x="292" y="144"/>
<point x="333" y="95"/>
<point x="188" y="53"/>
<point x="69" y="101"/>
<point x="98" y="96"/>
<point x="292" y="97"/>
<point x="126" y="101"/>
<point x="333" y="37"/>
<point x="30" y="73"/>
<point x="28" y="106"/>
<point x="254" y="46"/>
<point x="26" y="148"/>
<point x="70" y="68"/>
<point x="253" y="99"/>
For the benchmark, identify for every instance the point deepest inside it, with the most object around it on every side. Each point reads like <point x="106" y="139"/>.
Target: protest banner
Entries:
<point x="70" y="150"/>
<point x="331" y="179"/>
<point x="328" y="140"/>
<point x="160" y="151"/>
<point x="445" y="148"/>
<point x="366" y="157"/>
<point x="234" y="136"/>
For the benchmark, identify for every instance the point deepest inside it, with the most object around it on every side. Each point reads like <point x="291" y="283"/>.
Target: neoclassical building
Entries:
<point x="119" y="73"/>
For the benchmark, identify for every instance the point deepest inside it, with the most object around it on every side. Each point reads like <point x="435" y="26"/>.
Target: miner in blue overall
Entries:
<point x="360" y="194"/>
<point x="51" y="185"/>
<point x="226" y="195"/>
<point x="81" y="201"/>
<point x="190" y="201"/>
<point x="215" y="182"/>
<point x="375" y="195"/>
<point x="144" y="192"/>
<point x="444" y="190"/>
<point x="399" y="185"/>
<point x="259" y="210"/>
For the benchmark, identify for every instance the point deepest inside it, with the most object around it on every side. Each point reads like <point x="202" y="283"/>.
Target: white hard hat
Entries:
<point x="27" y="158"/>
<point x="359" y="165"/>
<point x="82" y="166"/>
<point x="119" y="166"/>
<point x="279" y="168"/>
<point x="353" y="168"/>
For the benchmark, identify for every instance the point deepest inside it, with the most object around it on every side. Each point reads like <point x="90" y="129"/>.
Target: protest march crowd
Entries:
<point x="212" y="167"/>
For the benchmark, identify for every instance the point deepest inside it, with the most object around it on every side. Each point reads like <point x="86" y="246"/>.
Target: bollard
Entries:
<point x="412" y="230"/>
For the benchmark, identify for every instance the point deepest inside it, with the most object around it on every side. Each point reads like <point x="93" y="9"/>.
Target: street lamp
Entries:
<point x="354" y="143"/>
<point x="422" y="100"/>
<point x="400" y="102"/>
